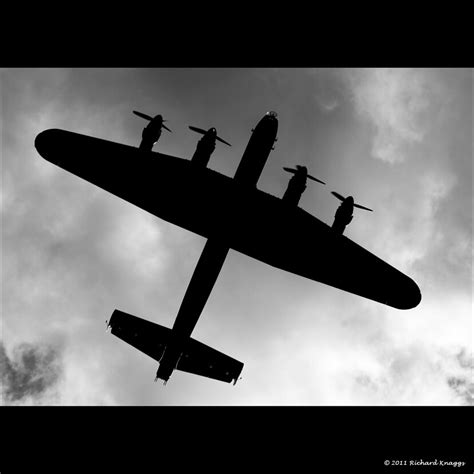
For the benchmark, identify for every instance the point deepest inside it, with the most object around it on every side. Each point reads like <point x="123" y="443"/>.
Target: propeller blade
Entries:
<point x="145" y="116"/>
<point x="198" y="130"/>
<point x="362" y="207"/>
<point x="165" y="127"/>
<point x="316" y="179"/>
<point x="223" y="141"/>
<point x="290" y="170"/>
<point x="342" y="198"/>
<point x="203" y="132"/>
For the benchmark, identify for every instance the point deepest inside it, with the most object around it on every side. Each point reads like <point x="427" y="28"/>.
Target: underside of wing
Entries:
<point x="245" y="219"/>
<point x="291" y="239"/>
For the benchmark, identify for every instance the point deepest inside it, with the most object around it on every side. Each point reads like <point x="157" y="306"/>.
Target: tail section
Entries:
<point x="194" y="357"/>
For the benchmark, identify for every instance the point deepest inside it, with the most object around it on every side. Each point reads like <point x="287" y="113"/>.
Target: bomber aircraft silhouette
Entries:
<point x="231" y="213"/>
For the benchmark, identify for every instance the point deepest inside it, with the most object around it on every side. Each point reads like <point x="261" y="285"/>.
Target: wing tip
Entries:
<point x="411" y="297"/>
<point x="50" y="143"/>
<point x="43" y="141"/>
<point x="237" y="376"/>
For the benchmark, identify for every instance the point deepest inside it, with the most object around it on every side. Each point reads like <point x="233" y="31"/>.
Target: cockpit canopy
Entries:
<point x="272" y="114"/>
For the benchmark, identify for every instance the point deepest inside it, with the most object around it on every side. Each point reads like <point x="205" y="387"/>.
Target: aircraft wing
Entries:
<point x="248" y="220"/>
<point x="151" y="339"/>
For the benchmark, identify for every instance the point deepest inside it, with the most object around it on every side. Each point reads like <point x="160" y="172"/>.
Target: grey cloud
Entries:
<point x="463" y="388"/>
<point x="30" y="373"/>
<point x="428" y="226"/>
<point x="412" y="375"/>
<point x="329" y="88"/>
<point x="395" y="102"/>
<point x="465" y="360"/>
<point x="463" y="385"/>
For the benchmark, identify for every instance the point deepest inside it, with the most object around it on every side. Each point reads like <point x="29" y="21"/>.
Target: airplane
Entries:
<point x="152" y="132"/>
<point x="297" y="184"/>
<point x="231" y="213"/>
<point x="344" y="212"/>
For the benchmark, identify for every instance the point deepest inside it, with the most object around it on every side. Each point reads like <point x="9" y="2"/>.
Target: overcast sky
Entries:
<point x="398" y="140"/>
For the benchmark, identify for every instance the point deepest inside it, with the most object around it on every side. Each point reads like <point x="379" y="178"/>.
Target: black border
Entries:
<point x="307" y="439"/>
<point x="313" y="439"/>
<point x="238" y="36"/>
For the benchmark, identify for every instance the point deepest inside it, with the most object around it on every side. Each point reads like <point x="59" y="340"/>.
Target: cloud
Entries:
<point x="423" y="214"/>
<point x="415" y="374"/>
<point x="68" y="248"/>
<point x="86" y="378"/>
<point x="328" y="88"/>
<point x="462" y="383"/>
<point x="136" y="242"/>
<point x="77" y="252"/>
<point x="411" y="228"/>
<point x="31" y="374"/>
<point x="397" y="103"/>
<point x="359" y="353"/>
<point x="55" y="374"/>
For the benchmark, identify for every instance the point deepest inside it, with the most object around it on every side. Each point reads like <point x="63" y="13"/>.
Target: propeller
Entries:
<point x="203" y="132"/>
<point x="147" y="117"/>
<point x="342" y="198"/>
<point x="302" y="169"/>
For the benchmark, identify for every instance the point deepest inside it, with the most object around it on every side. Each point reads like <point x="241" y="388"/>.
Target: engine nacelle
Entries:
<point x="204" y="149"/>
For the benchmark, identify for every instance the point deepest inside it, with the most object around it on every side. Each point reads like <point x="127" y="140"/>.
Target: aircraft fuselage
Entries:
<point x="215" y="251"/>
<point x="258" y="148"/>
<point x="204" y="277"/>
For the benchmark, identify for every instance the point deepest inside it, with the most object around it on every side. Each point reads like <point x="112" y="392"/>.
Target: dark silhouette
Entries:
<point x="152" y="132"/>
<point x="297" y="184"/>
<point x="195" y="357"/>
<point x="258" y="148"/>
<point x="230" y="213"/>
<point x="343" y="215"/>
<point x="215" y="251"/>
<point x="204" y="277"/>
<point x="206" y="145"/>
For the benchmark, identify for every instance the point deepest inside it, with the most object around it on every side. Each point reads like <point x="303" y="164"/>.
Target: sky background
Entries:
<point x="398" y="140"/>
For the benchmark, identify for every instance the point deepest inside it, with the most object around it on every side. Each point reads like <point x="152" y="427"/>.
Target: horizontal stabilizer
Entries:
<point x="199" y="359"/>
<point x="196" y="358"/>
<point x="147" y="337"/>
